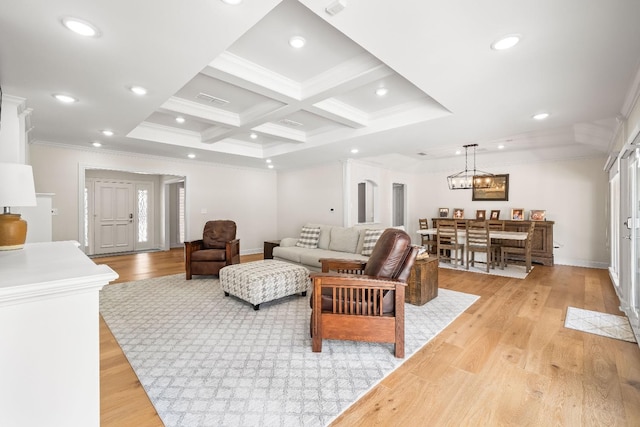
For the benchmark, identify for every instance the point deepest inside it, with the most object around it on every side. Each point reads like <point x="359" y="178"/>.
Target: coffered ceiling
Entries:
<point x="246" y="96"/>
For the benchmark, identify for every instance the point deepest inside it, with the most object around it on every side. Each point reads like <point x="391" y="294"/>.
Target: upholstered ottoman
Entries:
<point x="261" y="281"/>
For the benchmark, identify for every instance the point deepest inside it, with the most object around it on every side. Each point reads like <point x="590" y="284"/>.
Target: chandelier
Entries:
<point x="468" y="179"/>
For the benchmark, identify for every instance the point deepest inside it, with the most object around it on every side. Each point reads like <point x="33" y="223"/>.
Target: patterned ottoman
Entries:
<point x="261" y="281"/>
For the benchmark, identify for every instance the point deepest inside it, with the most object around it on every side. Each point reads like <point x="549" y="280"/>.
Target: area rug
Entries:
<point x="205" y="359"/>
<point x="513" y="271"/>
<point x="603" y="324"/>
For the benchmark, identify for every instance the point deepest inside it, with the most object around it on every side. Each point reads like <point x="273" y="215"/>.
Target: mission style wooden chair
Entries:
<point x="217" y="248"/>
<point x="364" y="300"/>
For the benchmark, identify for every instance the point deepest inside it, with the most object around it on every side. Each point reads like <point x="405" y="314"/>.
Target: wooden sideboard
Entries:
<point x="541" y="245"/>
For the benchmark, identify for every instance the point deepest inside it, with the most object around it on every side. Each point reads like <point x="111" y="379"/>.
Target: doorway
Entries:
<point x="124" y="212"/>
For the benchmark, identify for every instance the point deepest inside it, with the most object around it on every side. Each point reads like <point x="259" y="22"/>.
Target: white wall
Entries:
<point x="247" y="196"/>
<point x="309" y="195"/>
<point x="573" y="192"/>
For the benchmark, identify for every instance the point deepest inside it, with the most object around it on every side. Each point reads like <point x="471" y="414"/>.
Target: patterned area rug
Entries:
<point x="205" y="359"/>
<point x="603" y="324"/>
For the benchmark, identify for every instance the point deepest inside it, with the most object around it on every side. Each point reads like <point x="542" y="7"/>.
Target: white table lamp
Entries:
<point x="16" y="190"/>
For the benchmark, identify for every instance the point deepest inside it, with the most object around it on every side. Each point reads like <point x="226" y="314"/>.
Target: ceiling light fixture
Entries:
<point x="232" y="2"/>
<point x="253" y="135"/>
<point x="297" y="42"/>
<point x="180" y="119"/>
<point x="382" y="91"/>
<point x="268" y="160"/>
<point x="107" y="132"/>
<point x="541" y="116"/>
<point x="501" y="146"/>
<point x="66" y="99"/>
<point x="80" y="26"/>
<point x="96" y="144"/>
<point x="354" y="151"/>
<point x="191" y="156"/>
<point x="138" y="90"/>
<point x="470" y="179"/>
<point x="506" y="42"/>
<point x="270" y="166"/>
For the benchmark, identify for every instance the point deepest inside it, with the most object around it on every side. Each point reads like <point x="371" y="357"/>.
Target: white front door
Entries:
<point x="114" y="217"/>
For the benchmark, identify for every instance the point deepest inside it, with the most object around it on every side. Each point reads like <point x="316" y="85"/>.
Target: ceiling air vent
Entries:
<point x="422" y="153"/>
<point x="290" y="122"/>
<point x="211" y="99"/>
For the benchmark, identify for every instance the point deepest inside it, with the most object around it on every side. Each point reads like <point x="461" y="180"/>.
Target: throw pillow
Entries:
<point x="309" y="237"/>
<point x="370" y="239"/>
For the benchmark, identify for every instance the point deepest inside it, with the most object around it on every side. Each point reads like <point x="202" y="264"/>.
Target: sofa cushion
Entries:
<point x="288" y="253"/>
<point x="370" y="239"/>
<point x="325" y="234"/>
<point x="309" y="237"/>
<point x="312" y="257"/>
<point x="344" y="239"/>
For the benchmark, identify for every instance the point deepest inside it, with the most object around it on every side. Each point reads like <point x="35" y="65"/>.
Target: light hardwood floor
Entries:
<point x="507" y="360"/>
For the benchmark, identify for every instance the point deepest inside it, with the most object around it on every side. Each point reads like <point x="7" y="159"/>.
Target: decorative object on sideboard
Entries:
<point x="16" y="190"/>
<point x="498" y="190"/>
<point x="444" y="212"/>
<point x="468" y="179"/>
<point x="537" y="215"/>
<point x="495" y="214"/>
<point x="517" y="214"/>
<point x="481" y="214"/>
<point x="458" y="213"/>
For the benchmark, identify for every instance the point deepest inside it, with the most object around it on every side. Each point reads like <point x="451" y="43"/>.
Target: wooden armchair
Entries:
<point x="364" y="300"/>
<point x="217" y="248"/>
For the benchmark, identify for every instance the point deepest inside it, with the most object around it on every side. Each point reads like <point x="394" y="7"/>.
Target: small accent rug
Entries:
<point x="209" y="360"/>
<point x="514" y="271"/>
<point x="604" y="324"/>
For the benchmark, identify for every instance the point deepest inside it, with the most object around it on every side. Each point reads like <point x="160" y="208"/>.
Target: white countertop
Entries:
<point x="48" y="268"/>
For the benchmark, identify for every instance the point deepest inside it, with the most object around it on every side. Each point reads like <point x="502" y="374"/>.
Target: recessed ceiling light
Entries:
<point x="80" y="26"/>
<point x="67" y="99"/>
<point x="297" y="42"/>
<point x="107" y="132"/>
<point x="97" y="144"/>
<point x="354" y="150"/>
<point x="500" y="147"/>
<point x="270" y="166"/>
<point x="541" y="116"/>
<point x="253" y="135"/>
<point x="506" y="42"/>
<point x="138" y="90"/>
<point x="232" y="2"/>
<point x="268" y="160"/>
<point x="458" y="152"/>
<point x="191" y="156"/>
<point x="180" y="119"/>
<point x="382" y="91"/>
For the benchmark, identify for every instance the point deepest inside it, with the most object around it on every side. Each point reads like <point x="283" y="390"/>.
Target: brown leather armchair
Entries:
<point x="217" y="248"/>
<point x="364" y="301"/>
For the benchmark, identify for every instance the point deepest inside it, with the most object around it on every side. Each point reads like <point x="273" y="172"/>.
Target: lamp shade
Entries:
<point x="16" y="185"/>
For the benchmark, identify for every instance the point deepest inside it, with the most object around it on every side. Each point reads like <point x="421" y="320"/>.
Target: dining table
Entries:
<point x="493" y="234"/>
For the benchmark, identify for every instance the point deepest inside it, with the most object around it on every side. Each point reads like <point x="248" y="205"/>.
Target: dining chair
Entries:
<point x="448" y="242"/>
<point x="478" y="240"/>
<point x="429" y="241"/>
<point x="524" y="250"/>
<point x="496" y="244"/>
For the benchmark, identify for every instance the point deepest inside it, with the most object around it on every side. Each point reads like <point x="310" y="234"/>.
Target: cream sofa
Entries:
<point x="333" y="242"/>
